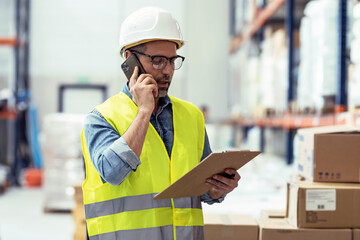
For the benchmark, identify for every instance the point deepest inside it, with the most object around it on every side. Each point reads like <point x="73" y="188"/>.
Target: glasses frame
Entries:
<point x="172" y="63"/>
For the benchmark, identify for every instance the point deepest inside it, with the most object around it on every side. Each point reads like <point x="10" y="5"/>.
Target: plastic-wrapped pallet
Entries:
<point x="318" y="58"/>
<point x="63" y="161"/>
<point x="243" y="94"/>
<point x="317" y="81"/>
<point x="273" y="71"/>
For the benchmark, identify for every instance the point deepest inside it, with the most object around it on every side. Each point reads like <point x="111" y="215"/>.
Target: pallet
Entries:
<point x="56" y="210"/>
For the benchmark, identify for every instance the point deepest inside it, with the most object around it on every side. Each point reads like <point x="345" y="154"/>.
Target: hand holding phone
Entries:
<point x="129" y="65"/>
<point x="142" y="85"/>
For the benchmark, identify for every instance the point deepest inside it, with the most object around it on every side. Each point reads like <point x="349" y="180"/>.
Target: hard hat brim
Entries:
<point x="179" y="43"/>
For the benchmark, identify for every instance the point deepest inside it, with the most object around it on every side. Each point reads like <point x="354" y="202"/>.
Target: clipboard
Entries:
<point x="193" y="182"/>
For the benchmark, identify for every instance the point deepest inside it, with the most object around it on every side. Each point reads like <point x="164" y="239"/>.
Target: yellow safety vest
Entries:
<point x="128" y="211"/>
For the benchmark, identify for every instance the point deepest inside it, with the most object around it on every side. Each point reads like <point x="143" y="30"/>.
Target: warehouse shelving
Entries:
<point x="16" y="108"/>
<point x="8" y="115"/>
<point x="287" y="121"/>
<point x="8" y="41"/>
<point x="262" y="16"/>
<point x="295" y="122"/>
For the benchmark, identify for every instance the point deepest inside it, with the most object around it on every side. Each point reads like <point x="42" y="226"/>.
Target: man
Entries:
<point x="140" y="141"/>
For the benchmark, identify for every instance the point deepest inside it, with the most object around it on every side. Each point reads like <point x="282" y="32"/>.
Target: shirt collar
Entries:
<point x="163" y="102"/>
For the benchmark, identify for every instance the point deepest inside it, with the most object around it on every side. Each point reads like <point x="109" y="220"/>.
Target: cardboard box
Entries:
<point x="323" y="205"/>
<point x="78" y="213"/>
<point x="280" y="229"/>
<point x="329" y="154"/>
<point x="80" y="232"/>
<point x="78" y="195"/>
<point x="230" y="227"/>
<point x="272" y="213"/>
<point x="356" y="234"/>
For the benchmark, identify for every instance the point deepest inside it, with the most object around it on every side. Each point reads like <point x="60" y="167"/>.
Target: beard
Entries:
<point x="162" y="91"/>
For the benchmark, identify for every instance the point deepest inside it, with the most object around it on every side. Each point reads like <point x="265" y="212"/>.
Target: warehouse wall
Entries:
<point x="76" y="42"/>
<point x="208" y="31"/>
<point x="72" y="42"/>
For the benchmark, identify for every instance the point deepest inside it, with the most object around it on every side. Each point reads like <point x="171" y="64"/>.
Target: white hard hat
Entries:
<point x="149" y="24"/>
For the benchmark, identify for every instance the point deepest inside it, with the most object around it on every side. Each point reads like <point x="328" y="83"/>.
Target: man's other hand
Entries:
<point x="220" y="185"/>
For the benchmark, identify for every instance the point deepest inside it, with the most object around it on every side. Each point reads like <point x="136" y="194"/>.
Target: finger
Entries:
<point x="134" y="76"/>
<point x="218" y="185"/>
<point x="232" y="171"/>
<point x="150" y="83"/>
<point x="232" y="183"/>
<point x="214" y="187"/>
<point x="147" y="79"/>
<point x="156" y="91"/>
<point x="223" y="188"/>
<point x="223" y="179"/>
<point x="142" y="77"/>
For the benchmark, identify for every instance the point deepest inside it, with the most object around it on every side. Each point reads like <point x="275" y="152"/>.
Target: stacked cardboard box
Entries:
<point x="231" y="227"/>
<point x="79" y="214"/>
<point x="329" y="198"/>
<point x="329" y="154"/>
<point x="323" y="205"/>
<point x="280" y="229"/>
<point x="356" y="234"/>
<point x="272" y="213"/>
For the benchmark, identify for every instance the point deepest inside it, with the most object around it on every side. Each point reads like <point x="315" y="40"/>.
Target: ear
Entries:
<point x="127" y="54"/>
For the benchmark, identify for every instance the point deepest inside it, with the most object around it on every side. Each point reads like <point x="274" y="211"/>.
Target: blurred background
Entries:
<point x="259" y="69"/>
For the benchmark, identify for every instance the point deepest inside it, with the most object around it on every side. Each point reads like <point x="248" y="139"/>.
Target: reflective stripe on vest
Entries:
<point x="164" y="232"/>
<point x="128" y="209"/>
<point x="136" y="203"/>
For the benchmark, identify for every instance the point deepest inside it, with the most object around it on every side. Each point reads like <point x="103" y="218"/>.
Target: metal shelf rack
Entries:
<point x="290" y="123"/>
<point x="17" y="112"/>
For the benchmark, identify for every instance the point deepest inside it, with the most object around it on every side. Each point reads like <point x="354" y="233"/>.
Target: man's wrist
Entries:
<point x="209" y="200"/>
<point x="216" y="196"/>
<point x="144" y="114"/>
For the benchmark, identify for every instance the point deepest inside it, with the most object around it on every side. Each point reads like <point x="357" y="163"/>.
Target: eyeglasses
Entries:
<point x="160" y="62"/>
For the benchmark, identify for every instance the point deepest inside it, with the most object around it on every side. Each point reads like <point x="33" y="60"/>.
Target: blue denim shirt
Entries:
<point x="114" y="159"/>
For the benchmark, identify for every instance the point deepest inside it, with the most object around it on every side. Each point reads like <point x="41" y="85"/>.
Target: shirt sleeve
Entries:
<point x="206" y="196"/>
<point x="109" y="152"/>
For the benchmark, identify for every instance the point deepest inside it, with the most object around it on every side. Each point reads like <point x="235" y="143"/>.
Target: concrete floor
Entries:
<point x="22" y="217"/>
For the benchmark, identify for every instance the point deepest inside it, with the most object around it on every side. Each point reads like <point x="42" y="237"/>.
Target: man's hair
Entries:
<point x="139" y="48"/>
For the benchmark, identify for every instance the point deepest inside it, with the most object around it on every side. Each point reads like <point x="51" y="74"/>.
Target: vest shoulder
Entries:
<point x="184" y="103"/>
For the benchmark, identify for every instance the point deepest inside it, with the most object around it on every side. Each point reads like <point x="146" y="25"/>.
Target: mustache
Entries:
<point x="164" y="78"/>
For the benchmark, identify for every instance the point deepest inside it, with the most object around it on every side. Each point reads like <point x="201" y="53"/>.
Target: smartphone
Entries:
<point x="129" y="65"/>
